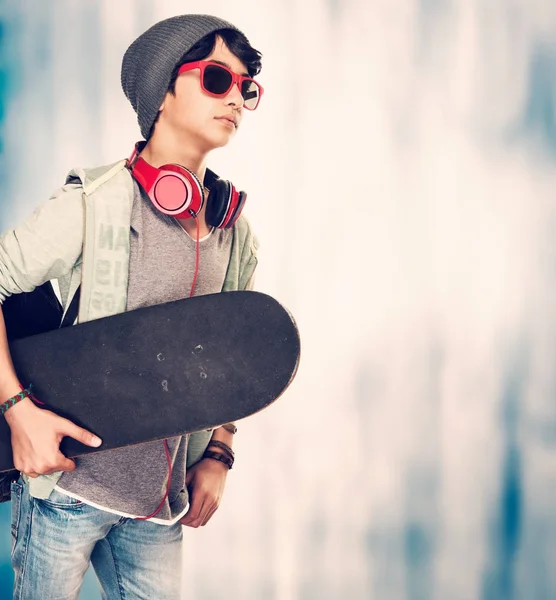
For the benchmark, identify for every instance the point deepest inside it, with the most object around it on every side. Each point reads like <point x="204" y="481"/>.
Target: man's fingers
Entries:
<point x="191" y="514"/>
<point x="59" y="463"/>
<point x="65" y="464"/>
<point x="203" y="513"/>
<point x="195" y="510"/>
<point x="81" y="435"/>
<point x="197" y="513"/>
<point x="209" y="515"/>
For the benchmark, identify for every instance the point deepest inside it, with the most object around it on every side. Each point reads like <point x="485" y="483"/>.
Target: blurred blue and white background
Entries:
<point x="401" y="174"/>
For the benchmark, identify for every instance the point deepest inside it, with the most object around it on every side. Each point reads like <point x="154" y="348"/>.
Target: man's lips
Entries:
<point x="228" y="118"/>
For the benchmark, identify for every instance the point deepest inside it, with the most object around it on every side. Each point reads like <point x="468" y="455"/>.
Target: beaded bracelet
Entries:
<point x="221" y="457"/>
<point x="25" y="393"/>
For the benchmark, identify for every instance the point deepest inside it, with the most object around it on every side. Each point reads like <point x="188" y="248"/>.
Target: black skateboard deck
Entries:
<point x="161" y="371"/>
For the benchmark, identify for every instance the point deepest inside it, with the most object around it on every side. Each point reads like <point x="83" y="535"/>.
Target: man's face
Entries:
<point x="196" y="115"/>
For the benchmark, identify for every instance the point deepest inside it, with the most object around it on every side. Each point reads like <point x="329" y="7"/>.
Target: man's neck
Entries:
<point x="173" y="150"/>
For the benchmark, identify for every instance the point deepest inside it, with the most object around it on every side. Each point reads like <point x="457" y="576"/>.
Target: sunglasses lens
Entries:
<point x="217" y="80"/>
<point x="250" y="92"/>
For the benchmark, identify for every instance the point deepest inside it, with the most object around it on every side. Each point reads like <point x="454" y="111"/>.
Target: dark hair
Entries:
<point x="237" y="43"/>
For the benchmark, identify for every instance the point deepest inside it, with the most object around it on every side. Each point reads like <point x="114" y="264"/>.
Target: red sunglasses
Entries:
<point x="217" y="80"/>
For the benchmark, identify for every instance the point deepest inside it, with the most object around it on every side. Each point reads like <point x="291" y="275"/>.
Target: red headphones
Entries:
<point x="177" y="191"/>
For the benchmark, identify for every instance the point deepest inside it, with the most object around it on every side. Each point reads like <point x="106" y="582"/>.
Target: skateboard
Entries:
<point x="161" y="371"/>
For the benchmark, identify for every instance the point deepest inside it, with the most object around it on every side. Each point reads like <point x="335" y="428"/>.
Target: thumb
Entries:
<point x="65" y="464"/>
<point x="81" y="435"/>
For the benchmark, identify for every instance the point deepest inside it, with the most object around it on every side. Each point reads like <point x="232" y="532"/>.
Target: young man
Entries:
<point x="189" y="80"/>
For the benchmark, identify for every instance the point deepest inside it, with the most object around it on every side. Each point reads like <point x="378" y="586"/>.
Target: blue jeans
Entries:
<point x="54" y="540"/>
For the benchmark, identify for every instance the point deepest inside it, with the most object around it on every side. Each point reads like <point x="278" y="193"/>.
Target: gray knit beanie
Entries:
<point x="148" y="63"/>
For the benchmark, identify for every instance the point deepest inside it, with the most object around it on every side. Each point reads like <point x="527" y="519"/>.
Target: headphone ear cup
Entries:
<point x="218" y="203"/>
<point x="237" y="211"/>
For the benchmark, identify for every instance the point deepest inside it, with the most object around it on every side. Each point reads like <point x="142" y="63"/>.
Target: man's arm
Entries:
<point x="206" y="481"/>
<point x="36" y="433"/>
<point x="44" y="247"/>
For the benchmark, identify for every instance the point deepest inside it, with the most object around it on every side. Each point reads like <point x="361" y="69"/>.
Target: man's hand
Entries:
<point x="205" y="481"/>
<point x="36" y="436"/>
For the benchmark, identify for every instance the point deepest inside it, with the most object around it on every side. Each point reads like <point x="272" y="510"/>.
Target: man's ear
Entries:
<point x="163" y="103"/>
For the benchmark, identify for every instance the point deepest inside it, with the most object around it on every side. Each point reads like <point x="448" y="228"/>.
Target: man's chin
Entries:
<point x="219" y="141"/>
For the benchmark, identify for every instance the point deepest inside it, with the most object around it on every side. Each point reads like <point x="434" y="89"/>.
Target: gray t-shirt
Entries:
<point x="132" y="481"/>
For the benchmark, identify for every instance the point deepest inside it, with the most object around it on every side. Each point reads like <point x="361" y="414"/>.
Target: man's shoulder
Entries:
<point x="245" y="234"/>
<point x="90" y="178"/>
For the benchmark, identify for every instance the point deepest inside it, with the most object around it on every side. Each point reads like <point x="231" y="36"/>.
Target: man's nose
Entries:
<point x="234" y="96"/>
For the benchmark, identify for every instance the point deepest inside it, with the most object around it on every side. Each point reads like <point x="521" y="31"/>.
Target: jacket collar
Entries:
<point x="93" y="178"/>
